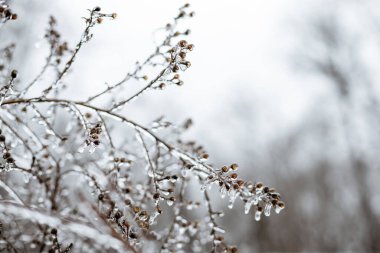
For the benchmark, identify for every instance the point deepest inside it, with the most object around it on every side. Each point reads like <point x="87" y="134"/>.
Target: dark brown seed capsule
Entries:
<point x="14" y="74"/>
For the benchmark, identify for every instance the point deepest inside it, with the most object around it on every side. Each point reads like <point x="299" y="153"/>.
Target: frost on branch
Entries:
<point x="104" y="182"/>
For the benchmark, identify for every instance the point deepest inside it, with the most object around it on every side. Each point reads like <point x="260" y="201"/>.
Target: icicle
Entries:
<point x="233" y="195"/>
<point x="247" y="206"/>
<point x="223" y="192"/>
<point x="184" y="172"/>
<point x="169" y="202"/>
<point x="153" y="217"/>
<point x="267" y="209"/>
<point x="82" y="148"/>
<point x="255" y="200"/>
<point x="27" y="177"/>
<point x="258" y="215"/>
<point x="203" y="186"/>
<point x="278" y="209"/>
<point x="219" y="230"/>
<point x="92" y="148"/>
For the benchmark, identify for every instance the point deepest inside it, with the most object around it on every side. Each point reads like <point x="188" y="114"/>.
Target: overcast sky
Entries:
<point x="242" y="66"/>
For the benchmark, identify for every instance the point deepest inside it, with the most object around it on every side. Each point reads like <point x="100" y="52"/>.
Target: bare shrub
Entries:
<point x="78" y="177"/>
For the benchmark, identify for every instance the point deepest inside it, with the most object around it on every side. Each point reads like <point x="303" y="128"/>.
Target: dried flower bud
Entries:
<point x="233" y="175"/>
<point x="281" y="204"/>
<point x="6" y="155"/>
<point x="136" y="209"/>
<point x="205" y="156"/>
<point x="233" y="249"/>
<point x="259" y="185"/>
<point x="190" y="47"/>
<point x="175" y="68"/>
<point x="234" y="166"/>
<point x="162" y="85"/>
<point x="54" y="231"/>
<point x="118" y="215"/>
<point x="182" y="43"/>
<point x="14" y="74"/>
<point x="182" y="55"/>
<point x="240" y="182"/>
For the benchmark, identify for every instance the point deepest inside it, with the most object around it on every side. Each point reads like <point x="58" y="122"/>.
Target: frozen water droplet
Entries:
<point x="203" y="187"/>
<point x="278" y="209"/>
<point x="27" y="177"/>
<point x="255" y="200"/>
<point x="233" y="195"/>
<point x="42" y="122"/>
<point x="153" y="217"/>
<point x="49" y="131"/>
<point x="219" y="230"/>
<point x="267" y="209"/>
<point x="169" y="202"/>
<point x="223" y="192"/>
<point x="247" y="207"/>
<point x="82" y="148"/>
<point x="258" y="215"/>
<point x="92" y="148"/>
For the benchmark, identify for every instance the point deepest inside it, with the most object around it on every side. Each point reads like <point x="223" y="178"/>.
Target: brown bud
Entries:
<point x="234" y="166"/>
<point x="175" y="68"/>
<point x="14" y="74"/>
<point x="136" y="209"/>
<point x="233" y="175"/>
<point x="224" y="169"/>
<point x="99" y="20"/>
<point x="54" y="231"/>
<point x="190" y="47"/>
<point x="205" y="156"/>
<point x="182" y="55"/>
<point x="118" y="215"/>
<point x="156" y="196"/>
<point x="182" y="43"/>
<point x="259" y="185"/>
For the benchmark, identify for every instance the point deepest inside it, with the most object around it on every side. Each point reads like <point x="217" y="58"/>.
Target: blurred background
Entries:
<point x="287" y="89"/>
